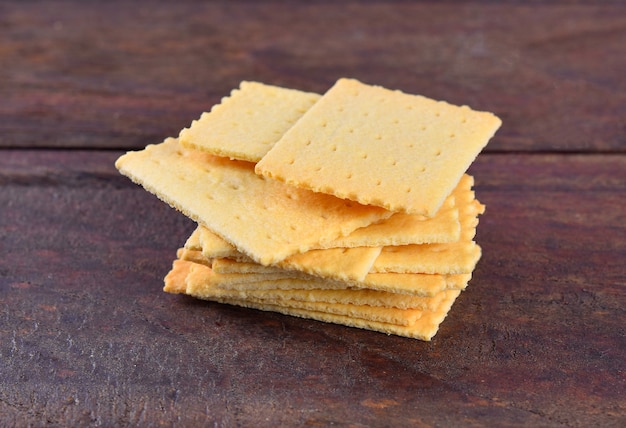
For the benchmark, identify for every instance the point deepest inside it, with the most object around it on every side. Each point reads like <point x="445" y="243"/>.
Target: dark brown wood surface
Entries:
<point x="87" y="337"/>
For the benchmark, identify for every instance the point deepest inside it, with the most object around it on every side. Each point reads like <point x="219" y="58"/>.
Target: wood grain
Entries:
<point x="121" y="75"/>
<point x="87" y="336"/>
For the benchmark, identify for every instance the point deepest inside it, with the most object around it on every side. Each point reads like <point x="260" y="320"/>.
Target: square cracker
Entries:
<point x="265" y="219"/>
<point x="249" y="122"/>
<point x="380" y="147"/>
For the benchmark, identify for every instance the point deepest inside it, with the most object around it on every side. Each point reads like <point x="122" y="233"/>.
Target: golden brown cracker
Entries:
<point x="380" y="147"/>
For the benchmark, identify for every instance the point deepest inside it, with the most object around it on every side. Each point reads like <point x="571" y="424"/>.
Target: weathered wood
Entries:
<point x="87" y="337"/>
<point x="122" y="75"/>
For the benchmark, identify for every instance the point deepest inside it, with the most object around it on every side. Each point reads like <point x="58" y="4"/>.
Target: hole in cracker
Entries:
<point x="438" y="153"/>
<point x="349" y="175"/>
<point x="378" y="137"/>
<point x="408" y="190"/>
<point x="379" y="182"/>
<point x="364" y="156"/>
<point x="308" y="143"/>
<point x="333" y="148"/>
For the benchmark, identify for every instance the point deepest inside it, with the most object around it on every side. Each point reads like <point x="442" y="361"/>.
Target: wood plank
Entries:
<point x="115" y="75"/>
<point x="88" y="337"/>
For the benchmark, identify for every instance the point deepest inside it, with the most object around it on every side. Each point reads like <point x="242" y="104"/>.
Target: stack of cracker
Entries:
<point x="352" y="207"/>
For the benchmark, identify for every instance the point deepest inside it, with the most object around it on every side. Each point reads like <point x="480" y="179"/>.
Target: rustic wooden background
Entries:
<point x="87" y="337"/>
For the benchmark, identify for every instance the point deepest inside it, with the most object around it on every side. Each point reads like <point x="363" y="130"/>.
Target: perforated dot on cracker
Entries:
<point x="380" y="147"/>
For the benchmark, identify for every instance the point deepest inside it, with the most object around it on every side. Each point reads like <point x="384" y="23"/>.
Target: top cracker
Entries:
<point x="246" y="124"/>
<point x="380" y="147"/>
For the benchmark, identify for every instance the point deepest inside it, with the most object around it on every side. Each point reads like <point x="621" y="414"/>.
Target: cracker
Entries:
<point x="348" y="264"/>
<point x="286" y="283"/>
<point x="265" y="219"/>
<point x="445" y="259"/>
<point x="380" y="147"/>
<point x="416" y="284"/>
<point x="248" y="123"/>
<point x="406" y="229"/>
<point x="215" y="247"/>
<point x="247" y="280"/>
<point x="193" y="256"/>
<point x="174" y="281"/>
<point x="193" y="242"/>
<point x="227" y="265"/>
<point x="336" y="263"/>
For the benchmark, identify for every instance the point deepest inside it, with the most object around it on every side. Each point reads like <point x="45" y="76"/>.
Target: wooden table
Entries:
<point x="87" y="337"/>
